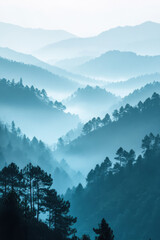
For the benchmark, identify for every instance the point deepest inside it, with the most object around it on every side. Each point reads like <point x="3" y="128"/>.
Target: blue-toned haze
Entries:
<point x="81" y="17"/>
<point x="79" y="119"/>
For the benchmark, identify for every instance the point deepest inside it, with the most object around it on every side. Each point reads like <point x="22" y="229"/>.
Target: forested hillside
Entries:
<point x="37" y="76"/>
<point x="124" y="88"/>
<point x="126" y="193"/>
<point x="90" y="102"/>
<point x="102" y="137"/>
<point x="16" y="147"/>
<point x="79" y="120"/>
<point x="26" y="194"/>
<point x="31" y="106"/>
<point x="31" y="60"/>
<point x="32" y="209"/>
<point x="29" y="97"/>
<point x="141" y="94"/>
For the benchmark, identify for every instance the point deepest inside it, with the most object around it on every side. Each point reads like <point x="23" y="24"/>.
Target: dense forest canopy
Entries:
<point x="16" y="147"/>
<point x="103" y="136"/>
<point x="29" y="190"/>
<point x="125" y="192"/>
<point x="141" y="94"/>
<point x="79" y="149"/>
<point x="33" y="210"/>
<point x="12" y="92"/>
<point x="29" y="106"/>
<point x="127" y="109"/>
<point x="90" y="102"/>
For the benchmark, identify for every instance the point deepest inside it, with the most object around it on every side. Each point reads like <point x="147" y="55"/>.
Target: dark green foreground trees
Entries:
<point x="17" y="222"/>
<point x="104" y="232"/>
<point x="125" y="192"/>
<point x="31" y="210"/>
<point x="26" y="199"/>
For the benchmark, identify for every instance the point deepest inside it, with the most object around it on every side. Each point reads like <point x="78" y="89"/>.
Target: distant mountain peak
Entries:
<point x="36" y="28"/>
<point x="26" y="39"/>
<point x="143" y="24"/>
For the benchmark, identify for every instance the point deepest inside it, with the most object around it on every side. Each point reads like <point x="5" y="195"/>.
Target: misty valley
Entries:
<point x="80" y="134"/>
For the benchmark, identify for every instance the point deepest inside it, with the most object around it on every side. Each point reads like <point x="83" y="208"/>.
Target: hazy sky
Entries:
<point x="82" y="17"/>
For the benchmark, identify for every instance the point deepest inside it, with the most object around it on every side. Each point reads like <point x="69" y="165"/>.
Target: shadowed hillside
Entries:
<point x="142" y="39"/>
<point x="125" y="193"/>
<point x="32" y="107"/>
<point x="120" y="65"/>
<point x="90" y="102"/>
<point x="29" y="39"/>
<point x="123" y="88"/>
<point x="103" y="136"/>
<point x="39" y="77"/>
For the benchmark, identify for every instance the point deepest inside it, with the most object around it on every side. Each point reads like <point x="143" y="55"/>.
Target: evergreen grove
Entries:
<point x="31" y="209"/>
<point x="32" y="187"/>
<point x="125" y="191"/>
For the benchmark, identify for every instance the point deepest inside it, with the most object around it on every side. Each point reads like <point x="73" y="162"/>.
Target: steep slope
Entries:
<point x="123" y="88"/>
<point x="16" y="147"/>
<point x="142" y="39"/>
<point x="29" y="39"/>
<point x="90" y="102"/>
<point x="29" y="59"/>
<point x="34" y="112"/>
<point x="129" y="126"/>
<point x="141" y="94"/>
<point x="120" y="65"/>
<point x="138" y="95"/>
<point x="127" y="196"/>
<point x="39" y="77"/>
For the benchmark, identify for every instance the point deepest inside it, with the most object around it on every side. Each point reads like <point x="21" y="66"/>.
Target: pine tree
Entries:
<point x="121" y="156"/>
<point x="30" y="193"/>
<point x="104" y="232"/>
<point x="28" y="173"/>
<point x="13" y="128"/>
<point x="85" y="237"/>
<point x="41" y="181"/>
<point x="115" y="115"/>
<point x="12" y="176"/>
<point x="87" y="128"/>
<point x="106" y="120"/>
<point x="58" y="217"/>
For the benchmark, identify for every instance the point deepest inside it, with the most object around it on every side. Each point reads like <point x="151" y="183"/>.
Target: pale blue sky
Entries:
<point x="81" y="17"/>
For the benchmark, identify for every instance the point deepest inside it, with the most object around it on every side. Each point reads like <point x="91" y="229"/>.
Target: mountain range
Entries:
<point x="29" y="39"/>
<point x="55" y="85"/>
<point x="141" y="39"/>
<point x="116" y="65"/>
<point x="131" y="123"/>
<point x="90" y="102"/>
<point x="141" y="94"/>
<point x="29" y="59"/>
<point x="70" y="63"/>
<point x="34" y="112"/>
<point x="123" y="88"/>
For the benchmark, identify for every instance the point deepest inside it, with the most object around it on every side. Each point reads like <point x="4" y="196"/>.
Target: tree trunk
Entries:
<point x="37" y="202"/>
<point x="5" y="188"/>
<point x="30" y="188"/>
